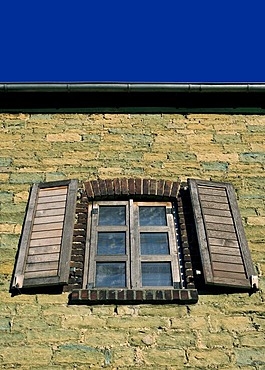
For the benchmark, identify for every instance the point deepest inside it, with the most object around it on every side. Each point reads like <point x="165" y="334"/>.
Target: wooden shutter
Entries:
<point x="46" y="240"/>
<point x="223" y="246"/>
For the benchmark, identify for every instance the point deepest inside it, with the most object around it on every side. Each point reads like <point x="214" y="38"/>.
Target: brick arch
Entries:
<point x="132" y="187"/>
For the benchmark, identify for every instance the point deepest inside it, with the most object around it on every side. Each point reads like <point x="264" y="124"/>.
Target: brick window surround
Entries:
<point x="117" y="189"/>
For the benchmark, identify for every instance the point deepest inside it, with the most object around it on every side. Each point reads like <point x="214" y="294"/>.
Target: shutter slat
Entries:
<point x="50" y="226"/>
<point x="223" y="246"/>
<point x="45" y="241"/>
<point x="41" y="266"/>
<point x="45" y="248"/>
<point x="50" y="205"/>
<point x="55" y="198"/>
<point x="50" y="212"/>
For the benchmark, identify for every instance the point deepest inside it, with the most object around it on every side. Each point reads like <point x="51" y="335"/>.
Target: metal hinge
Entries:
<point x="19" y="281"/>
<point x="94" y="211"/>
<point x="254" y="282"/>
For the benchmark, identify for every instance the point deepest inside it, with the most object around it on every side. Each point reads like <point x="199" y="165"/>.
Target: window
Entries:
<point x="132" y="245"/>
<point x="130" y="240"/>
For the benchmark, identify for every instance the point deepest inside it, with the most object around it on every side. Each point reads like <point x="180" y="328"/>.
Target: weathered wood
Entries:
<point x="39" y="275"/>
<point x="46" y="234"/>
<point x="25" y="238"/>
<point x="218" y="227"/>
<point x="220" y="192"/>
<point x="211" y="205"/>
<point x="224" y="242"/>
<point x="53" y="205"/>
<point x="51" y="199"/>
<point x="42" y="266"/>
<point x="213" y="198"/>
<point x="47" y="227"/>
<point x="230" y="279"/>
<point x="225" y="256"/>
<point x="221" y="234"/>
<point x="46" y="257"/>
<point x="46" y="249"/>
<point x="219" y="220"/>
<point x="216" y="212"/>
<point x="238" y="278"/>
<point x="67" y="237"/>
<point x="51" y="192"/>
<point x="45" y="241"/>
<point x="49" y="219"/>
<point x="225" y="251"/>
<point x="219" y="266"/>
<point x="50" y="212"/>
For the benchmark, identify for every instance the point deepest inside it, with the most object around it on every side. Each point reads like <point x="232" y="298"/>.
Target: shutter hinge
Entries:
<point x="254" y="282"/>
<point x="94" y="211"/>
<point x="19" y="281"/>
<point x="169" y="211"/>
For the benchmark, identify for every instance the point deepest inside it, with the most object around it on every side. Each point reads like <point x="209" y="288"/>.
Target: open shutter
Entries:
<point x="46" y="240"/>
<point x="223" y="246"/>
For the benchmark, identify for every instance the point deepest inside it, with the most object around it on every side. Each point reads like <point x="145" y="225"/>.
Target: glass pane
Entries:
<point x="111" y="243"/>
<point x="156" y="274"/>
<point x="152" y="216"/>
<point x="112" y="215"/>
<point x="154" y="243"/>
<point x="110" y="274"/>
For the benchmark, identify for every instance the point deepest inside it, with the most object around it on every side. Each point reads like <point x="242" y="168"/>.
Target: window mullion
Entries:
<point x="135" y="247"/>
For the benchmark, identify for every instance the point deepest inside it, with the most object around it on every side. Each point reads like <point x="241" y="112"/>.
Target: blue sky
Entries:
<point x="132" y="41"/>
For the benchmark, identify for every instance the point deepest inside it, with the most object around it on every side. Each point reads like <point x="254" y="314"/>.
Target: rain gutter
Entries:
<point x="131" y="88"/>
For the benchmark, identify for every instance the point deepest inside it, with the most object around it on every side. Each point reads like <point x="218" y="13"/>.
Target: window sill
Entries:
<point x="96" y="296"/>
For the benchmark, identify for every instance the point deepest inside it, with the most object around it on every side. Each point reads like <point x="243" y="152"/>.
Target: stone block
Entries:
<point x="78" y="354"/>
<point x="250" y="356"/>
<point x="165" y="357"/>
<point x="137" y="322"/>
<point x="163" y="311"/>
<point x="52" y="336"/>
<point x="176" y="339"/>
<point x="83" y="322"/>
<point x="26" y="355"/>
<point x="64" y="137"/>
<point x="208" y="358"/>
<point x="97" y="337"/>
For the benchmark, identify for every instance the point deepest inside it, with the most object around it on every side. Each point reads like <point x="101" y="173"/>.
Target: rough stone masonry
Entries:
<point x="222" y="331"/>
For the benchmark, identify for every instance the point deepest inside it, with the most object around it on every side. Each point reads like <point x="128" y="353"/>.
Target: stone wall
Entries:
<point x="222" y="331"/>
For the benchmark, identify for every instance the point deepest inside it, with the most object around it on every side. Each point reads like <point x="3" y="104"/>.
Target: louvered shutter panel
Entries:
<point x="223" y="246"/>
<point x="46" y="241"/>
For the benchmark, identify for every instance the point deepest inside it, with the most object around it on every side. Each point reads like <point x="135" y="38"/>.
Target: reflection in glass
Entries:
<point x="154" y="243"/>
<point x="152" y="216"/>
<point x="111" y="243"/>
<point x="112" y="215"/>
<point x="110" y="274"/>
<point x="156" y="274"/>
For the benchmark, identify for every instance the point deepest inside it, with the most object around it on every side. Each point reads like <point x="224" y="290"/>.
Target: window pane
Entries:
<point x="152" y="216"/>
<point x="111" y="243"/>
<point x="154" y="243"/>
<point x="110" y="274"/>
<point x="112" y="215"/>
<point x="156" y="274"/>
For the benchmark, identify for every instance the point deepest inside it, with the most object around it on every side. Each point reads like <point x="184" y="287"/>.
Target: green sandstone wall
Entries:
<point x="221" y="331"/>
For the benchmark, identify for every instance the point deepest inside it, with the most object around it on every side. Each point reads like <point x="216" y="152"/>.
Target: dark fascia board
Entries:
<point x="132" y="97"/>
